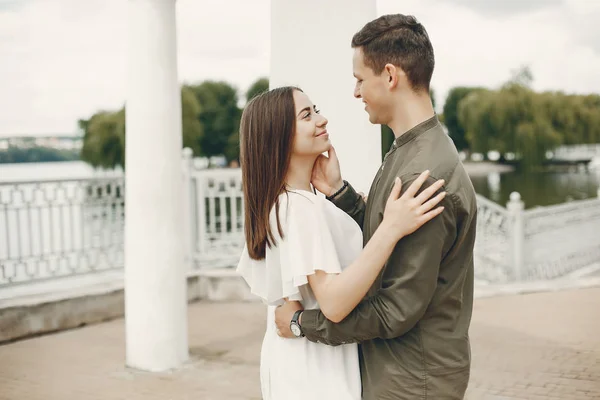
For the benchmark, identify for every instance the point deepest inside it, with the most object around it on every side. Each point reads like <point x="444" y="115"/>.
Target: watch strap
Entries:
<point x="296" y="321"/>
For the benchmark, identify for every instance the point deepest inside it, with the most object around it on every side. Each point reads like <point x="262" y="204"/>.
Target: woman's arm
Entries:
<point x="338" y="294"/>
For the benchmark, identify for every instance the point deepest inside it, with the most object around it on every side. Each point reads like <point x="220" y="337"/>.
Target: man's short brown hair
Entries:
<point x="400" y="40"/>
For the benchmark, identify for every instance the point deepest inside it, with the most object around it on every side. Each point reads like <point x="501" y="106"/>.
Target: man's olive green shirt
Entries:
<point x="413" y="325"/>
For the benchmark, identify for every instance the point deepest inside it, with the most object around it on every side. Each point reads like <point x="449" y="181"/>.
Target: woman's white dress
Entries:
<point x="317" y="236"/>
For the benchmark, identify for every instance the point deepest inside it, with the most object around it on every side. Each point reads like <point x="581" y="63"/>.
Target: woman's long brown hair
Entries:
<point x="267" y="131"/>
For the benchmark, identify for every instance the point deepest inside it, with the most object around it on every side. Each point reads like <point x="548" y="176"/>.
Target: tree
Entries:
<point x="522" y="76"/>
<point x="432" y="97"/>
<point x="470" y="120"/>
<point x="104" y="139"/>
<point x="232" y="148"/>
<point x="191" y="127"/>
<point x="512" y="119"/>
<point x="451" y="120"/>
<point x="219" y="115"/>
<point x="104" y="133"/>
<point x="259" y="86"/>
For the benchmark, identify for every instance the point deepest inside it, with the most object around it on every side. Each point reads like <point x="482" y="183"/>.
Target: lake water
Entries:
<point x="47" y="171"/>
<point x="537" y="189"/>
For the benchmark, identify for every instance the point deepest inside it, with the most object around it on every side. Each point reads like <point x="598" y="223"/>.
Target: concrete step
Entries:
<point x="43" y="307"/>
<point x="54" y="305"/>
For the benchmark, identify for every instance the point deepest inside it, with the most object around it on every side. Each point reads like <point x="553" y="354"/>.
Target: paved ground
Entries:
<point x="536" y="346"/>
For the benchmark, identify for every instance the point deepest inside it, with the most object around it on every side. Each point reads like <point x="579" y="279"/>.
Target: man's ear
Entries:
<point x="391" y="74"/>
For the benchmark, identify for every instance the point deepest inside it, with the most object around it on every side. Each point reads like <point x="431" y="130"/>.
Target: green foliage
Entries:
<point x="219" y="115"/>
<point x="515" y="119"/>
<point x="232" y="148"/>
<point x="522" y="76"/>
<point x="104" y="133"/>
<point x="432" y="96"/>
<point x="104" y="139"/>
<point x="259" y="86"/>
<point x="450" y="112"/>
<point x="518" y="120"/>
<point x="511" y="119"/>
<point x="192" y="129"/>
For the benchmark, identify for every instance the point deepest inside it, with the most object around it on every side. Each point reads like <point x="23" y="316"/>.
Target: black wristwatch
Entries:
<point x="295" y="324"/>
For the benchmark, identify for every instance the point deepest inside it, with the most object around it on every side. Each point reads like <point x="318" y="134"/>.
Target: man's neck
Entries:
<point x="410" y="113"/>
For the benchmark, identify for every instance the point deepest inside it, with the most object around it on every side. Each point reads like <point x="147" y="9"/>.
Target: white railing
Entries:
<point x="493" y="244"/>
<point x="514" y="244"/>
<point x="52" y="229"/>
<point x="560" y="239"/>
<point x="58" y="228"/>
<point x="217" y="212"/>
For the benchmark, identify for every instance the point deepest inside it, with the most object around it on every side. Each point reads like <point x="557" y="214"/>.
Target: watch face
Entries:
<point x="296" y="330"/>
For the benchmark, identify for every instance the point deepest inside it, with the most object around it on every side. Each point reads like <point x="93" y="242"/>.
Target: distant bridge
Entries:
<point x="579" y="153"/>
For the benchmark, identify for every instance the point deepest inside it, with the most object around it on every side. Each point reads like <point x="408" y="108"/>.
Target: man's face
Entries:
<point x="372" y="89"/>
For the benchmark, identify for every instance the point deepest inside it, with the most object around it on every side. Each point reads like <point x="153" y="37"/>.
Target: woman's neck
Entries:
<point x="300" y="172"/>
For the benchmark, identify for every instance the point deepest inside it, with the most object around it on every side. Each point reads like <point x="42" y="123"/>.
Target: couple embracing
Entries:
<point x="369" y="297"/>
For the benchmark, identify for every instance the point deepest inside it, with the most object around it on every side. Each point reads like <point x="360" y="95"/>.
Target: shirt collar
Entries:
<point x="415" y="132"/>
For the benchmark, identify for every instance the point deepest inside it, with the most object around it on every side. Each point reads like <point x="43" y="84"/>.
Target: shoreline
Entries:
<point x="483" y="168"/>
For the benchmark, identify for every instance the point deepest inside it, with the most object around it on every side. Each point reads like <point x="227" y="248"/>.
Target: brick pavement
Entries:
<point x="535" y="346"/>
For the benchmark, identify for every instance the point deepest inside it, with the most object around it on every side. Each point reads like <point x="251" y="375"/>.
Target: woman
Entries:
<point x="299" y="246"/>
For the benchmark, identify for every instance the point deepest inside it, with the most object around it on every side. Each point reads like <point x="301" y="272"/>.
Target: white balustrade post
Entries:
<point x="310" y="48"/>
<point x="155" y="280"/>
<point x="517" y="234"/>
<point x="201" y="238"/>
<point x="188" y="207"/>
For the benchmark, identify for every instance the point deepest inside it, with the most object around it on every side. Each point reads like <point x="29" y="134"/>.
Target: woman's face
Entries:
<point x="311" y="137"/>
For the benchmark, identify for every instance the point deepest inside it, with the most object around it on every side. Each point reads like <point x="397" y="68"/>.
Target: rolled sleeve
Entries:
<point x="352" y="204"/>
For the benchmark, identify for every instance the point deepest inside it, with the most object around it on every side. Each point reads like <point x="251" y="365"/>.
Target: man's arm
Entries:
<point x="409" y="282"/>
<point x="352" y="204"/>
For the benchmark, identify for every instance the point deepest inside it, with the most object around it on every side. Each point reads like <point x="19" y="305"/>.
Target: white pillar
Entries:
<point x="188" y="207"/>
<point x="155" y="285"/>
<point x="517" y="234"/>
<point x="310" y="48"/>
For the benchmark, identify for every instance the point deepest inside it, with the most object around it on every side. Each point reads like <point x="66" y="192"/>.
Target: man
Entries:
<point x="413" y="324"/>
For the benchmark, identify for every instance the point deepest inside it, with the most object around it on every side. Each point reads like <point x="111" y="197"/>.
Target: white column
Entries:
<point x="155" y="285"/>
<point x="310" y="48"/>
<point x="517" y="234"/>
<point x="188" y="207"/>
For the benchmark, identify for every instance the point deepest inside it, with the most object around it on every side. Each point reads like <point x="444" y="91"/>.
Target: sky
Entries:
<point x="62" y="60"/>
